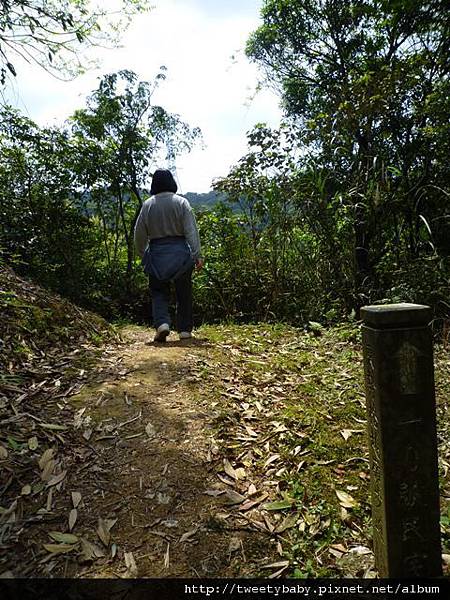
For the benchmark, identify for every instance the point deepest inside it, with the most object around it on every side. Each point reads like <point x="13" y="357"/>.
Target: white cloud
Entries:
<point x="195" y="40"/>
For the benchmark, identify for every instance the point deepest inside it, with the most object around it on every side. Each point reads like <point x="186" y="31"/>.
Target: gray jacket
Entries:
<point x="166" y="215"/>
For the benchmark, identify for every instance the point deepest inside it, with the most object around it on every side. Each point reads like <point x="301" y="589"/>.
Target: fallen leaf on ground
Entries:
<point x="167" y="557"/>
<point x="240" y="473"/>
<point x="76" y="499"/>
<point x="278" y="573"/>
<point x="345" y="499"/>
<point x="33" y="443"/>
<point x="90" y="551"/>
<point x="226" y="480"/>
<point x="276" y="565"/>
<point x="233" y="497"/>
<point x="56" y="479"/>
<point x="252" y="490"/>
<point x="104" y="528"/>
<point x="48" y="470"/>
<point x="278" y="505"/>
<point x="235" y="545"/>
<point x="26" y="490"/>
<point x="59" y="548"/>
<point x="339" y="547"/>
<point x="87" y="433"/>
<point x="65" y="538"/>
<point x="289" y="522"/>
<point x="214" y="492"/>
<point x="73" y="515"/>
<point x="269" y="524"/>
<point x="252" y="503"/>
<point x="271" y="459"/>
<point x="251" y="431"/>
<point x="187" y="536"/>
<point x="229" y="470"/>
<point x="346" y="433"/>
<point x="361" y="550"/>
<point x="47" y="455"/>
<point x="150" y="430"/>
<point x="335" y="553"/>
<point x="49" y="499"/>
<point x="130" y="563"/>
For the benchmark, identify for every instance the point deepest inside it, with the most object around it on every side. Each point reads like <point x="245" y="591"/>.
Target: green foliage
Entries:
<point x="70" y="198"/>
<point x="204" y="200"/>
<point x="351" y="191"/>
<point x="346" y="204"/>
<point x="282" y="238"/>
<point x="51" y="34"/>
<point x="40" y="230"/>
<point x="118" y="137"/>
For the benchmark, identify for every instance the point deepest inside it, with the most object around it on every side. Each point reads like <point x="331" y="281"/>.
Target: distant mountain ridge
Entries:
<point x="196" y="200"/>
<point x="206" y="199"/>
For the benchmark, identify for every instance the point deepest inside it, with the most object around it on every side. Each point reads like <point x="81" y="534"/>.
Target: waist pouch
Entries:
<point x="167" y="259"/>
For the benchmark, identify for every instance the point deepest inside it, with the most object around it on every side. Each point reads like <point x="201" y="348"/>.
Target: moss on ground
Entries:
<point x="309" y="385"/>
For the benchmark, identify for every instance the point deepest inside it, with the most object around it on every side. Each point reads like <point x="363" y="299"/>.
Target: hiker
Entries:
<point x="166" y="238"/>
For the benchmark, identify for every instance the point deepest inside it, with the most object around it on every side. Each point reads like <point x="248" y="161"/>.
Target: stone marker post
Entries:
<point x="401" y="422"/>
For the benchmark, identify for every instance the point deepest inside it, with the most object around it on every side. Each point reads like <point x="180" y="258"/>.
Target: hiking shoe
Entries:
<point x="161" y="333"/>
<point x="185" y="335"/>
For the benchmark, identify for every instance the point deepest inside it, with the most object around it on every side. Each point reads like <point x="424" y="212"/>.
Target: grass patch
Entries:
<point x="292" y="412"/>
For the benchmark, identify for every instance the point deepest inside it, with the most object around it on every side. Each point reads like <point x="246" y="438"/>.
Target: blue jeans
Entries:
<point x="168" y="254"/>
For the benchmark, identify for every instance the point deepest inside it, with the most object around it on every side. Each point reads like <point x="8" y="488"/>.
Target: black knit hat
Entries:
<point x="163" y="181"/>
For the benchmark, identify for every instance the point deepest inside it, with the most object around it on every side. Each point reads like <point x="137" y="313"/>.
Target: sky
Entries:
<point x="210" y="83"/>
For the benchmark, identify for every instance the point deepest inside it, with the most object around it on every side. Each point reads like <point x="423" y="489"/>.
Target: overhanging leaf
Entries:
<point x="11" y="68"/>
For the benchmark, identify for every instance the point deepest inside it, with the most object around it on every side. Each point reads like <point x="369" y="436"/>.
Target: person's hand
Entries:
<point x="199" y="264"/>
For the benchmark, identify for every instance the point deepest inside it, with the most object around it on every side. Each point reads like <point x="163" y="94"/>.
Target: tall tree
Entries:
<point x="52" y="33"/>
<point x="41" y="231"/>
<point x="120" y="136"/>
<point x="367" y="84"/>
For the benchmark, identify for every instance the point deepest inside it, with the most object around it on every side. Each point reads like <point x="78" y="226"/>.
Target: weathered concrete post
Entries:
<point x="401" y="422"/>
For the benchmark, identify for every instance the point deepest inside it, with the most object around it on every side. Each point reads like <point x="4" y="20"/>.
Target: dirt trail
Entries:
<point x="148" y="462"/>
